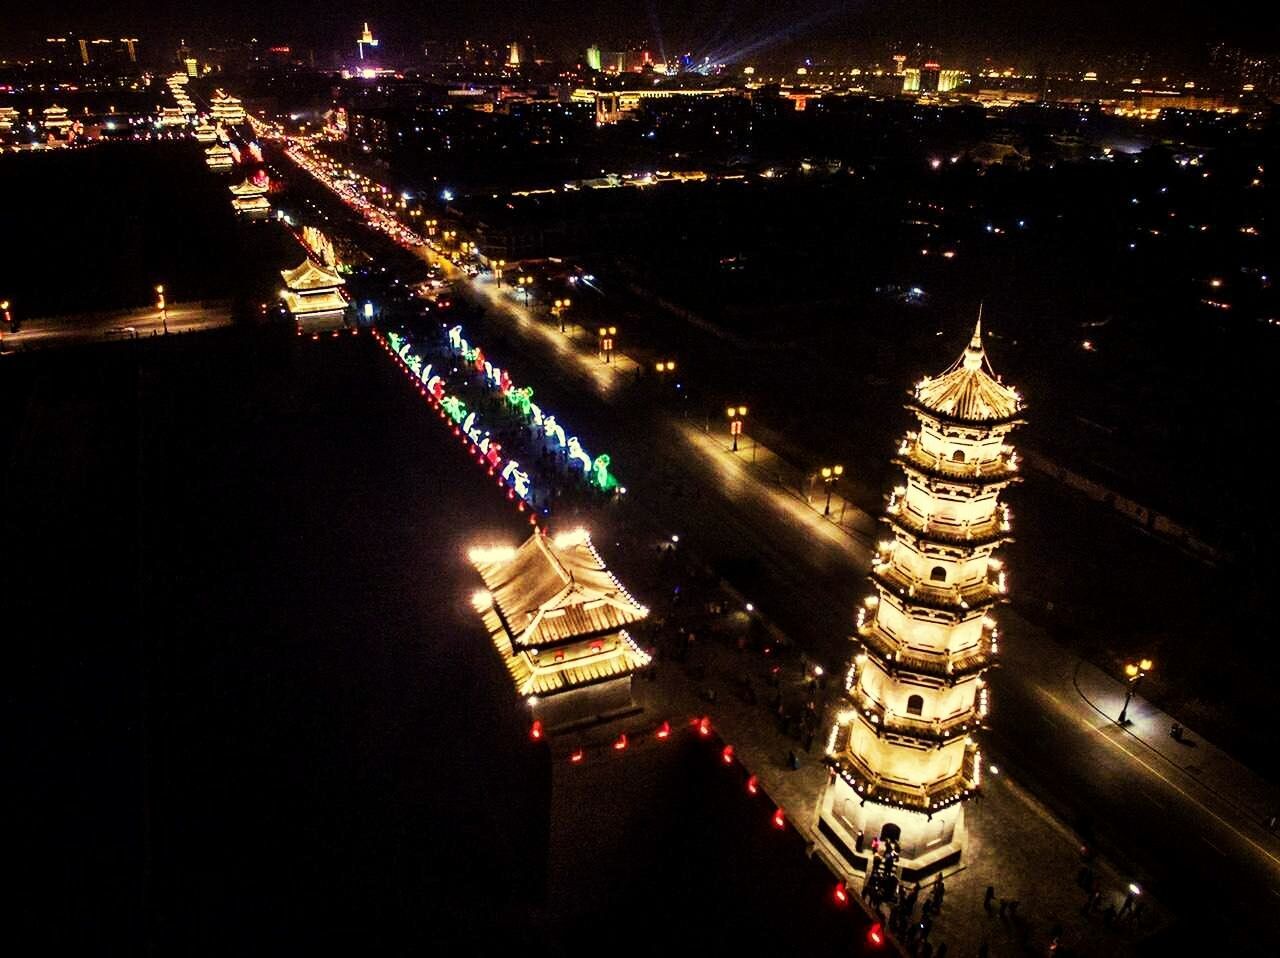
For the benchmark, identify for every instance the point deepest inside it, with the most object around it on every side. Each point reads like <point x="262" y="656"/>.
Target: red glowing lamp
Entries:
<point x="535" y="730"/>
<point x="726" y="755"/>
<point x="841" y="894"/>
<point x="779" y="818"/>
<point x="875" y="935"/>
<point x="753" y="785"/>
<point x="621" y="743"/>
<point x="576" y="757"/>
<point x="664" y="731"/>
<point x="704" y="726"/>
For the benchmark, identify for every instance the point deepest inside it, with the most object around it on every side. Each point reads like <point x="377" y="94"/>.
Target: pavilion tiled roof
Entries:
<point x="555" y="591"/>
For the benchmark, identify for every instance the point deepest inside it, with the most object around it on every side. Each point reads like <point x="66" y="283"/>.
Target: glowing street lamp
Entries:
<point x="164" y="310"/>
<point x="1134" y="673"/>
<point x="498" y="266"/>
<point x="830" y="476"/>
<point x="664" y="366"/>
<point x="606" y="341"/>
<point x="524" y="282"/>
<point x="736" y="414"/>
<point x="558" y="309"/>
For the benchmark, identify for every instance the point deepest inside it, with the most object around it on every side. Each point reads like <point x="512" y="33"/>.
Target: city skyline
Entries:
<point x="735" y="32"/>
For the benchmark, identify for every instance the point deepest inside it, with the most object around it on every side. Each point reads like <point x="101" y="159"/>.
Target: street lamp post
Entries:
<point x="1134" y="673"/>
<point x="164" y="310"/>
<point x="524" y="282"/>
<point x="498" y="266"/>
<point x="8" y="319"/>
<point x="736" y="414"/>
<point x="606" y="341"/>
<point x="830" y="476"/>
<point x="558" y="309"/>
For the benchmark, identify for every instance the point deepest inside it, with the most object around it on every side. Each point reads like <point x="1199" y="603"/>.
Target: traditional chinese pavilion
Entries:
<point x="311" y="289"/>
<point x="559" y="619"/>
<point x="249" y="198"/>
<point x="218" y="157"/>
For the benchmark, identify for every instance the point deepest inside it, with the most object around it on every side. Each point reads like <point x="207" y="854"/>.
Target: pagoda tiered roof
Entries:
<point x="928" y="798"/>
<point x="914" y="458"/>
<point x="968" y="392"/>
<point x="960" y="598"/>
<point x="894" y="657"/>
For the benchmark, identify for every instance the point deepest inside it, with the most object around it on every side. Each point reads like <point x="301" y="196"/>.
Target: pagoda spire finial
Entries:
<point x="973" y="355"/>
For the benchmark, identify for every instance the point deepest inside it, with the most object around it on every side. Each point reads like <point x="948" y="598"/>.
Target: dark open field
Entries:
<point x="254" y="712"/>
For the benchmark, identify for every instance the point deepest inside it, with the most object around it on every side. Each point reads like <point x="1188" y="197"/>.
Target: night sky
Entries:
<point x="717" y="27"/>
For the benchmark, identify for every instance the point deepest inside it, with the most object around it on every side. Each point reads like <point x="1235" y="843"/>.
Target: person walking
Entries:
<point x="939" y="889"/>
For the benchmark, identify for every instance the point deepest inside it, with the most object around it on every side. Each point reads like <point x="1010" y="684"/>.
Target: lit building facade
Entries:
<point x="559" y="618"/>
<point x="311" y="289"/>
<point x="903" y="749"/>
<point x="249" y="199"/>
<point x="226" y="108"/>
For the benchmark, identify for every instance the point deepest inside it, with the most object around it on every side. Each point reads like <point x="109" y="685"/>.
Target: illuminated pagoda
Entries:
<point x="558" y="617"/>
<point x="206" y="133"/>
<point x="55" y="120"/>
<point x="903" y="749"/>
<point x="311" y="289"/>
<point x="218" y="157"/>
<point x="249" y="198"/>
<point x="172" y="116"/>
<point x="226" y="108"/>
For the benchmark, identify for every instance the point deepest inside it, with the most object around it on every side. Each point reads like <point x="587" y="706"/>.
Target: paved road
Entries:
<point x="1197" y="853"/>
<point x="49" y="331"/>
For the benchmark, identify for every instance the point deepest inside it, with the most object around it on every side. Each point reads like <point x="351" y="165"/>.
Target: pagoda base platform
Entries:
<point x="585" y="705"/>
<point x="926" y="843"/>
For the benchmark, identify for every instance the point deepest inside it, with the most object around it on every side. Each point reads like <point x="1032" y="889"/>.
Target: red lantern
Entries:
<point x="576" y="757"/>
<point x="621" y="743"/>
<point x="753" y="785"/>
<point x="841" y="894"/>
<point x="779" y="818"/>
<point x="875" y="935"/>
<point x="535" y="730"/>
<point x="664" y="731"/>
<point x="726" y="756"/>
<point x="704" y="726"/>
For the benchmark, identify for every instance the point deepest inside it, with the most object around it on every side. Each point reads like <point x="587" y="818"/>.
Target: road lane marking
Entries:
<point x="1046" y="694"/>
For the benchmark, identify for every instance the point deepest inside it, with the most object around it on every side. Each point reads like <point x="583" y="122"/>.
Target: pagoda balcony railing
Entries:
<point x="1002" y="469"/>
<point x="959" y="596"/>
<point x="992" y="530"/>
<point x="927" y="798"/>
<point x="886" y="721"/>
<point x="896" y="657"/>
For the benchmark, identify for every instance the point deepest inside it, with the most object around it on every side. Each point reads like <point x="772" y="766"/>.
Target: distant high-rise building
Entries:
<point x="593" y="57"/>
<point x="899" y="64"/>
<point x="930" y="74"/>
<point x="366" y="40"/>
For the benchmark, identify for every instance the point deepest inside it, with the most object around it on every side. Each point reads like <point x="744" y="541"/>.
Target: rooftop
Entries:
<point x="969" y="390"/>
